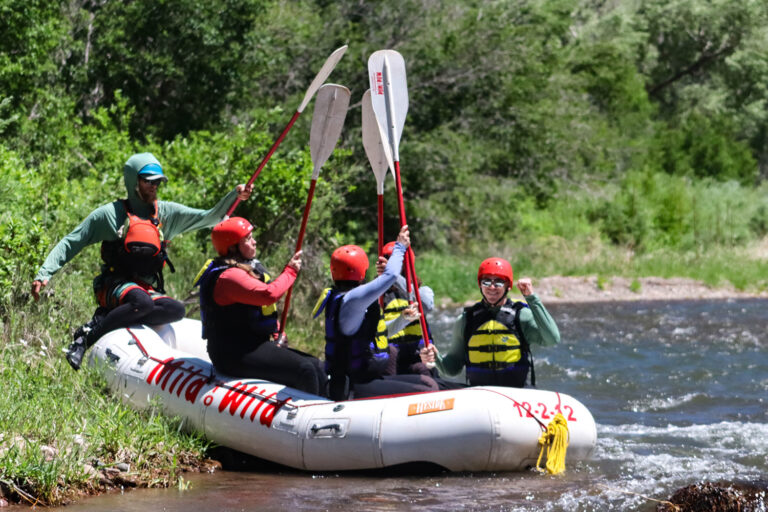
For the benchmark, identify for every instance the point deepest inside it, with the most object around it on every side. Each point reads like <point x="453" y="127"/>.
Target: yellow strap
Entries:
<point x="202" y="270"/>
<point x="320" y="302"/>
<point x="555" y="440"/>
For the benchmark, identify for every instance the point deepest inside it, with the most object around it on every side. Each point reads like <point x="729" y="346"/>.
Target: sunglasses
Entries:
<point x="156" y="183"/>
<point x="493" y="283"/>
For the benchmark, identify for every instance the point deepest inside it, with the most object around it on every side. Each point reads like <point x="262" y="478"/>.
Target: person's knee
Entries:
<point x="308" y="377"/>
<point x="140" y="302"/>
<point x="429" y="383"/>
<point x="174" y="309"/>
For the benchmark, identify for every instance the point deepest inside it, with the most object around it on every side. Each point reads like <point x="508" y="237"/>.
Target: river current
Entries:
<point x="679" y="392"/>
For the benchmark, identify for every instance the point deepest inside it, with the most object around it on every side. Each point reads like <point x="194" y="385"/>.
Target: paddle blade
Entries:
<point x="327" y="122"/>
<point x="321" y="76"/>
<point x="378" y="154"/>
<point x="389" y="95"/>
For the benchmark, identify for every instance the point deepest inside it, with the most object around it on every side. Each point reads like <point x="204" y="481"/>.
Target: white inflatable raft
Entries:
<point x="471" y="429"/>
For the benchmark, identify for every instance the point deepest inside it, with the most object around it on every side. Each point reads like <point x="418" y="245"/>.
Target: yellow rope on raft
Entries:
<point x="555" y="440"/>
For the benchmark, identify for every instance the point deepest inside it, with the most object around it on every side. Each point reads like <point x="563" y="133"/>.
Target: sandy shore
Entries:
<point x="587" y="289"/>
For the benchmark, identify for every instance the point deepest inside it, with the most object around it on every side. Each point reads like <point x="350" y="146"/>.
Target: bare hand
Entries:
<point x="428" y="354"/>
<point x="404" y="237"/>
<point x="295" y="262"/>
<point x="37" y="286"/>
<point x="525" y="286"/>
<point x="244" y="192"/>
<point x="411" y="313"/>
<point x="381" y="264"/>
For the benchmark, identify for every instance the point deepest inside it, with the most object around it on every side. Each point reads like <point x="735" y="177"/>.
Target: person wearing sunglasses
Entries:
<point x="492" y="339"/>
<point x="133" y="233"/>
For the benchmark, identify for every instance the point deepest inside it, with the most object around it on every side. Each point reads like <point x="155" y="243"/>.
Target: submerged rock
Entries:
<point x="718" y="497"/>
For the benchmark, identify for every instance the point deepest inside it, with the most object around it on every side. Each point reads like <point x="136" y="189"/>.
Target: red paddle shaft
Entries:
<point x="266" y="158"/>
<point x="409" y="261"/>
<point x="299" y="242"/>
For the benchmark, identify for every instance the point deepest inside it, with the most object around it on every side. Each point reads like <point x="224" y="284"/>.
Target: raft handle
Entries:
<point x="334" y="426"/>
<point x="113" y="358"/>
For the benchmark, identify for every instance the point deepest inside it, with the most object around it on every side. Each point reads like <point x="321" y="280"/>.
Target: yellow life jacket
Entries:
<point x="496" y="350"/>
<point x="394" y="304"/>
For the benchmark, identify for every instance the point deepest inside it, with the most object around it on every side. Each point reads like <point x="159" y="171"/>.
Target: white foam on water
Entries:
<point x="661" y="404"/>
<point x="571" y="373"/>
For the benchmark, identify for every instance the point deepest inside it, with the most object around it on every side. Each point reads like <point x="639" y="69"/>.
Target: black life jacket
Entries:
<point x="364" y="355"/>
<point x="140" y="250"/>
<point x="497" y="353"/>
<point x="236" y="329"/>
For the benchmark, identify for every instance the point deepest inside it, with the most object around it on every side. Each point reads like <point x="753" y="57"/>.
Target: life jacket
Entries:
<point x="364" y="355"/>
<point x="395" y="301"/>
<point x="140" y="249"/>
<point x="497" y="353"/>
<point x="235" y="329"/>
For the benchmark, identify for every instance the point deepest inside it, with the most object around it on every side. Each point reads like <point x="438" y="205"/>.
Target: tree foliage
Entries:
<point x="513" y="106"/>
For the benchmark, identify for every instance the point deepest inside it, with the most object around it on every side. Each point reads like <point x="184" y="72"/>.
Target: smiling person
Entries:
<point x="493" y="337"/>
<point x="133" y="233"/>
<point x="237" y="304"/>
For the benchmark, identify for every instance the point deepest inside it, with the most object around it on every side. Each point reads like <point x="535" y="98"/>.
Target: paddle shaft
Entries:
<point x="266" y="158"/>
<point x="299" y="242"/>
<point x="410" y="266"/>
<point x="380" y="222"/>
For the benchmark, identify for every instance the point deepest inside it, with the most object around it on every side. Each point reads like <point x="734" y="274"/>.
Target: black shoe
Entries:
<point x="75" y="352"/>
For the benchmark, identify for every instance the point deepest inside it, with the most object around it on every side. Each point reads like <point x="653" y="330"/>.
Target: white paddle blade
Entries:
<point x="321" y="76"/>
<point x="327" y="122"/>
<point x="389" y="95"/>
<point x="378" y="154"/>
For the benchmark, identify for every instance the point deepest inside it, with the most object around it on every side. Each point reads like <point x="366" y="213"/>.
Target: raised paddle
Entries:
<point x="327" y="121"/>
<point x="377" y="156"/>
<point x="389" y="99"/>
<point x="330" y="63"/>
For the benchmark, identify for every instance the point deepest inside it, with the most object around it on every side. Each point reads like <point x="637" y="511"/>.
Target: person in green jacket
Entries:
<point x="492" y="339"/>
<point x="133" y="234"/>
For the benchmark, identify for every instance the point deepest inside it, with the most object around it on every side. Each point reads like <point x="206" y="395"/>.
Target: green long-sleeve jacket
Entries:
<point x="103" y="223"/>
<point x="538" y="328"/>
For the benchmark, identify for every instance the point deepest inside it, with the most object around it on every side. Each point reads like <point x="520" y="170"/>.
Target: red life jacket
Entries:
<point x="140" y="250"/>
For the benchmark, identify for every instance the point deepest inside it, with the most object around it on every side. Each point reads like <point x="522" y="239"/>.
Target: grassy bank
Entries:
<point x="62" y="434"/>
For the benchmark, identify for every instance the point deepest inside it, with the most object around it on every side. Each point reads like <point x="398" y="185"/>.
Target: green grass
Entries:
<point x="56" y="423"/>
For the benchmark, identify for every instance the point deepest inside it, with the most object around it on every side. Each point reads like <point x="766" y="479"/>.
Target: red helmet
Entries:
<point x="228" y="232"/>
<point x="349" y="263"/>
<point x="496" y="267"/>
<point x="387" y="250"/>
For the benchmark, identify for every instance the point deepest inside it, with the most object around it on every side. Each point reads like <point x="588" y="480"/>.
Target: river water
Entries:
<point x="679" y="391"/>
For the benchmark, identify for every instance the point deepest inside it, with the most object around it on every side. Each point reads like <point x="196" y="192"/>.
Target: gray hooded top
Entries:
<point x="104" y="222"/>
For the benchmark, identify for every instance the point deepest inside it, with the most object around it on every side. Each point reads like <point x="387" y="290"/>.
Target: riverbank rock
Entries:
<point x="718" y="497"/>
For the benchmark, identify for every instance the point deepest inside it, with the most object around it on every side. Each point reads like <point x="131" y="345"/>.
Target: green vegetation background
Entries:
<point x="571" y="136"/>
